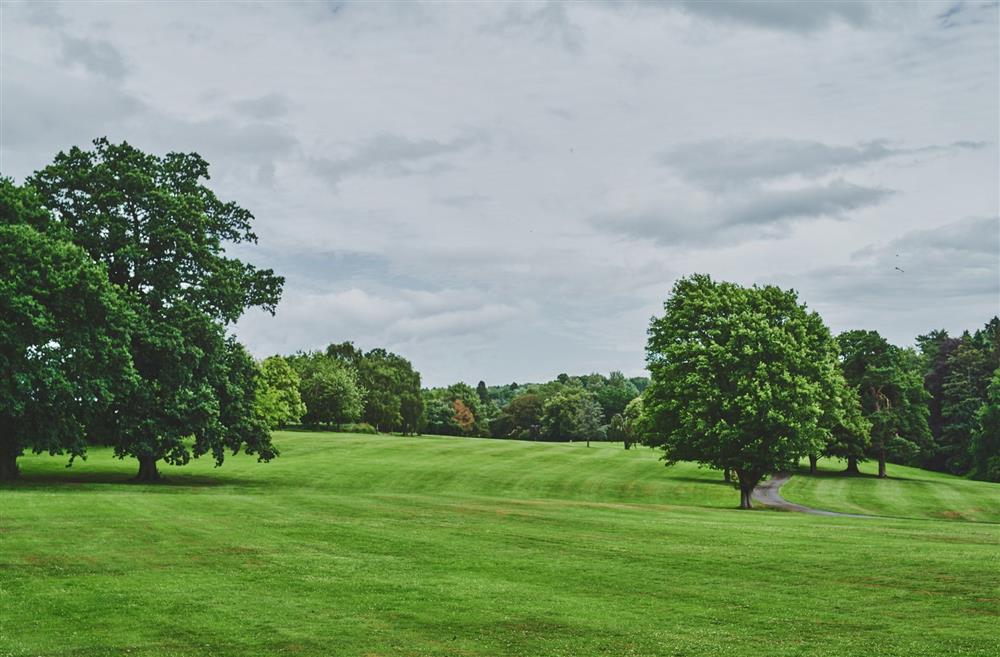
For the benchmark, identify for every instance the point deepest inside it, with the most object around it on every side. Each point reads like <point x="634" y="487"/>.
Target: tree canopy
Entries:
<point x="739" y="378"/>
<point x="64" y="331"/>
<point x="161" y="236"/>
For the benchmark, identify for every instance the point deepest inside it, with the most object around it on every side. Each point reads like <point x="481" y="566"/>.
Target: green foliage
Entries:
<point x="985" y="448"/>
<point x="963" y="391"/>
<point x="614" y="394"/>
<point x="893" y="399"/>
<point x="636" y="424"/>
<point x="279" y="402"/>
<point x="63" y="336"/>
<point x="443" y="417"/>
<point x="739" y="378"/>
<point x="329" y="389"/>
<point x="573" y="414"/>
<point x="161" y="236"/>
<point x="393" y="401"/>
<point x="520" y="419"/>
<point x="360" y="427"/>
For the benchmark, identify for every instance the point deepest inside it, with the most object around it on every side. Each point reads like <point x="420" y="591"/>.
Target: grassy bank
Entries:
<point x="371" y="545"/>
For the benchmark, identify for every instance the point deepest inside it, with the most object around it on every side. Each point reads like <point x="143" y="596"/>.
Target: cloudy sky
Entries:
<point x="508" y="191"/>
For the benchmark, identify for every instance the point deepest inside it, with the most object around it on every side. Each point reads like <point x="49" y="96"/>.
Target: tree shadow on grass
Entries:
<point x="172" y="482"/>
<point x="700" y="480"/>
<point x="835" y="474"/>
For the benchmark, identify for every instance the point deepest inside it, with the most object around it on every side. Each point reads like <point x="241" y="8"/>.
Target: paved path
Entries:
<point x="768" y="494"/>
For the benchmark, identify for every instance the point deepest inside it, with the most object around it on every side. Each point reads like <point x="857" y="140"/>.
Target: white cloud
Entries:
<point x="427" y="175"/>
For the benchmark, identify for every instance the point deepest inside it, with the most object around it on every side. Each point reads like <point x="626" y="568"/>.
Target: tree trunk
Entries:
<point x="852" y="465"/>
<point x="8" y="465"/>
<point x="748" y="482"/>
<point x="727" y="475"/>
<point x="881" y="463"/>
<point x="588" y="442"/>
<point x="147" y="469"/>
<point x="812" y="463"/>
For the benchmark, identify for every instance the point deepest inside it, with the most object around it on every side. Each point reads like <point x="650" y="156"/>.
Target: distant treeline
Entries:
<point x="935" y="406"/>
<point x="378" y="391"/>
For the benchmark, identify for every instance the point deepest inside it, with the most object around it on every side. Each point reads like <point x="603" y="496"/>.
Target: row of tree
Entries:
<point x="115" y="296"/>
<point x="566" y="408"/>
<point x="748" y="381"/>
<point x="344" y="385"/>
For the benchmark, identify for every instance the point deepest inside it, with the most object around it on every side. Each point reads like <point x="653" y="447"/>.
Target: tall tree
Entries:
<point x="615" y="394"/>
<point x="329" y="388"/>
<point x="962" y="393"/>
<point x="278" y="399"/>
<point x="636" y="429"/>
<point x="985" y="447"/>
<point x="520" y="419"/>
<point x="392" y="386"/>
<point x="739" y="377"/>
<point x="573" y="414"/>
<point x="63" y="336"/>
<point x="935" y="348"/>
<point x="162" y="235"/>
<point x="893" y="399"/>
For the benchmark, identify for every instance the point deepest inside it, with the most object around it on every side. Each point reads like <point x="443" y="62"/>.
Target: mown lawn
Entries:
<point x="907" y="492"/>
<point x="372" y="545"/>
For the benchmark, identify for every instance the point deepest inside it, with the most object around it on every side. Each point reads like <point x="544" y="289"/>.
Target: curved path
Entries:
<point x="768" y="494"/>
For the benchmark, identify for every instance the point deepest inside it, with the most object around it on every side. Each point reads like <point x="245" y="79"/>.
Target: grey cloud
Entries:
<point x="971" y="240"/>
<point x="98" y="57"/>
<point x="719" y="163"/>
<point x="268" y="106"/>
<point x="774" y="208"/>
<point x="389" y="154"/>
<point x="758" y="214"/>
<point x="949" y="275"/>
<point x="803" y="17"/>
<point x="547" y="22"/>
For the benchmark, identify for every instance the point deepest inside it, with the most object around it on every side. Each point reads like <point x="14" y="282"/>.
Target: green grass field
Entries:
<point x="374" y="545"/>
<point x="908" y="492"/>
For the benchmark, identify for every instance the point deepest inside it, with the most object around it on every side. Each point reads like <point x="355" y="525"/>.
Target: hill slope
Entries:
<point x="907" y="492"/>
<point x="367" y="545"/>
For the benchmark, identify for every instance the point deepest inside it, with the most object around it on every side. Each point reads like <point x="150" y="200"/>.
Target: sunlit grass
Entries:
<point x="374" y="545"/>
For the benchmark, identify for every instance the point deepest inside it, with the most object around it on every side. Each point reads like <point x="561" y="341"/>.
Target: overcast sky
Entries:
<point x="506" y="192"/>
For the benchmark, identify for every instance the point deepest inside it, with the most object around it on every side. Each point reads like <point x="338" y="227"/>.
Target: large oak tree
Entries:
<point x="161" y="234"/>
<point x="740" y="378"/>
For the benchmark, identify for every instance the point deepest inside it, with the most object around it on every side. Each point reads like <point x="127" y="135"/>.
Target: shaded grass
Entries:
<point x="370" y="545"/>
<point x="907" y="492"/>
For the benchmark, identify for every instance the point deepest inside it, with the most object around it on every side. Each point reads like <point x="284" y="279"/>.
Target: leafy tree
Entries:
<point x="985" y="447"/>
<point x="389" y="379"/>
<point x="963" y="392"/>
<point x="573" y="414"/>
<point x="850" y="435"/>
<point x="640" y="382"/>
<point x="738" y="378"/>
<point x="278" y="399"/>
<point x="935" y="348"/>
<point x="636" y="425"/>
<point x="442" y="416"/>
<point x="483" y="392"/>
<point x="521" y="418"/>
<point x="615" y="394"/>
<point x="616" y="432"/>
<point x="161" y="235"/>
<point x="463" y="417"/>
<point x="329" y="388"/>
<point x="63" y="336"/>
<point x="893" y="398"/>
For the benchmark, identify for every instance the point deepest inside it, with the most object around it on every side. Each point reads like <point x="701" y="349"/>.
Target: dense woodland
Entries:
<point x="116" y="295"/>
